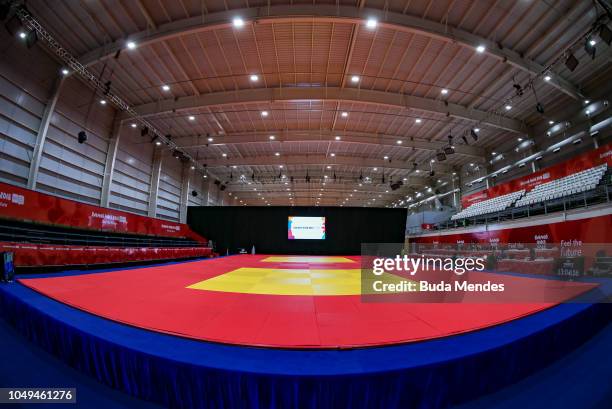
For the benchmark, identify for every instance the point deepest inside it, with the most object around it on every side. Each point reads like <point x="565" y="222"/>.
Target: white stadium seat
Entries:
<point x="493" y="205"/>
<point x="575" y="183"/>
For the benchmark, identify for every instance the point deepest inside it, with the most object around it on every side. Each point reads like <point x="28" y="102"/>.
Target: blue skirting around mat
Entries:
<point x="179" y="372"/>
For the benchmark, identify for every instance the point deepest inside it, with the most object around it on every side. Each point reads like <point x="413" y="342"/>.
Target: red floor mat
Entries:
<point x="156" y="298"/>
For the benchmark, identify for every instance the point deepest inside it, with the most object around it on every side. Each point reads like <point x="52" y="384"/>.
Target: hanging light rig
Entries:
<point x="73" y="64"/>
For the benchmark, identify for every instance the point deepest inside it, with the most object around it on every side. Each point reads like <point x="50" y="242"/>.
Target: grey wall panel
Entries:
<point x="169" y="194"/>
<point x="132" y="176"/>
<point x="125" y="183"/>
<point x="71" y="189"/>
<point x="68" y="165"/>
<point x="20" y="115"/>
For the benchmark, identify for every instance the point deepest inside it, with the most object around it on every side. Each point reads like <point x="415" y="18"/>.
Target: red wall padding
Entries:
<point x="27" y="205"/>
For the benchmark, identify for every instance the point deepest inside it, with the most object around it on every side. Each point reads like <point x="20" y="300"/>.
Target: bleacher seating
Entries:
<point x="575" y="183"/>
<point x="493" y="205"/>
<point x="26" y="232"/>
<point x="40" y="245"/>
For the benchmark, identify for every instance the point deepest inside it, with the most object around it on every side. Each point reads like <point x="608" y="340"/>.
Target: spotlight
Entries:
<point x="131" y="45"/>
<point x="254" y="78"/>
<point x="571" y="62"/>
<point x="355" y="79"/>
<point x="464" y="139"/>
<point x="31" y="38"/>
<point x="474" y="135"/>
<point x="540" y="108"/>
<point x="508" y="107"/>
<point x="547" y="78"/>
<point x="344" y="114"/>
<point x="449" y="150"/>
<point x="165" y="88"/>
<point x="481" y="48"/>
<point x="440" y="156"/>
<point x="107" y="87"/>
<point x="518" y="89"/>
<point x="264" y="113"/>
<point x="144" y="131"/>
<point x="82" y="137"/>
<point x="65" y="71"/>
<point x="194" y="193"/>
<point x="371" y="23"/>
<point x="589" y="47"/>
<point x="444" y="91"/>
<point x="605" y="34"/>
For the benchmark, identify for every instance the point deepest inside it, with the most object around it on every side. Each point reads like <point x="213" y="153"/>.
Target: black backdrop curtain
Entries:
<point x="234" y="227"/>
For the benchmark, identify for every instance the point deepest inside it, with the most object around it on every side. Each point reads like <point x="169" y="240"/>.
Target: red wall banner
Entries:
<point x="28" y="205"/>
<point x="589" y="230"/>
<point x="581" y="162"/>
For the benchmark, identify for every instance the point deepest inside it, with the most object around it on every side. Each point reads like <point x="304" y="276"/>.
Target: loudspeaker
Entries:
<point x="571" y="63"/>
<point x="82" y="137"/>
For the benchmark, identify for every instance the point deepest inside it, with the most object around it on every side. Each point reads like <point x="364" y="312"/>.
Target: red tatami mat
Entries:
<point x="156" y="298"/>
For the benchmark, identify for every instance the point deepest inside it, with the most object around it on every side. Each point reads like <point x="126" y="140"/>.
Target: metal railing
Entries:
<point x="601" y="194"/>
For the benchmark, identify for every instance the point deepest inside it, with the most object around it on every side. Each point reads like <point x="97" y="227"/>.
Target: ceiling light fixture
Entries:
<point x="238" y="22"/>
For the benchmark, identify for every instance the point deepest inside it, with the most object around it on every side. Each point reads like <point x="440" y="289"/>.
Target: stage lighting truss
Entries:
<point x="72" y="63"/>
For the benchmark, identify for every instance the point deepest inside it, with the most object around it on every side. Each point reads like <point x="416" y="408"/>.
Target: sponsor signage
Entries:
<point x="28" y="205"/>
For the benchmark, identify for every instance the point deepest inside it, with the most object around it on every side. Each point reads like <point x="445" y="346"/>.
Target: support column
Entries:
<point x="111" y="156"/>
<point x="155" y="174"/>
<point x="184" y="201"/>
<point x="41" y="137"/>
<point x="205" y="190"/>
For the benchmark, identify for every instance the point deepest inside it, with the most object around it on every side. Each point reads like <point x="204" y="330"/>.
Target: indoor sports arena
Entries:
<point x="324" y="204"/>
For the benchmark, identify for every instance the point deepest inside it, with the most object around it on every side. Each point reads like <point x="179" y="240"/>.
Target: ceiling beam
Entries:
<point x="381" y="98"/>
<point x="195" y="142"/>
<point x="323" y="160"/>
<point x="331" y="13"/>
